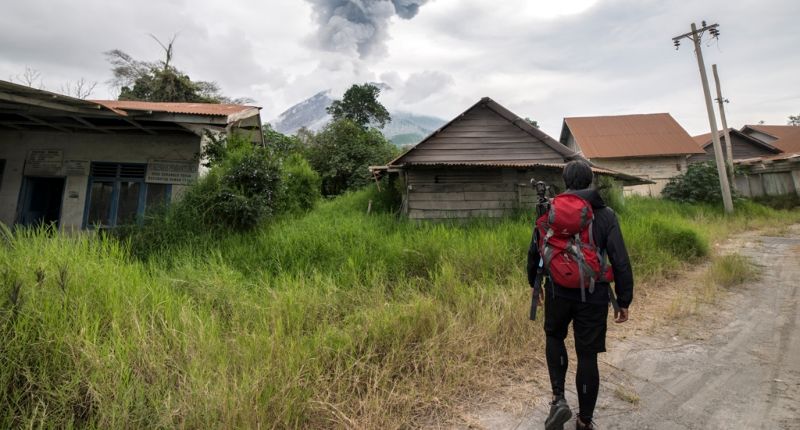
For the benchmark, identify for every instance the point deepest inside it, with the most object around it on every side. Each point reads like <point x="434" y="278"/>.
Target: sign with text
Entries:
<point x="76" y="167"/>
<point x="45" y="162"/>
<point x="171" y="172"/>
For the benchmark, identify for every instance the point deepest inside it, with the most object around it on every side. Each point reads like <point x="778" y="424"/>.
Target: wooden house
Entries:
<point x="480" y="164"/>
<point x="784" y="137"/>
<point x="742" y="146"/>
<point x="650" y="146"/>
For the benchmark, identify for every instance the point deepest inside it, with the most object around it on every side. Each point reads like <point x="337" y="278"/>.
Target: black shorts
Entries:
<point x="589" y="322"/>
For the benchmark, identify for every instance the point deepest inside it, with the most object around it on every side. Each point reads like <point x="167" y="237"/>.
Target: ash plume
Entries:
<point x="359" y="27"/>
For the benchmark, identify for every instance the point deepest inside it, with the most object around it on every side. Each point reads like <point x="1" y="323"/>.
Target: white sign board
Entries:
<point x="45" y="162"/>
<point x="171" y="172"/>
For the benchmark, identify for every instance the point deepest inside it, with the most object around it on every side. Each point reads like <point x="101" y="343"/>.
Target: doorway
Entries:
<point x="41" y="201"/>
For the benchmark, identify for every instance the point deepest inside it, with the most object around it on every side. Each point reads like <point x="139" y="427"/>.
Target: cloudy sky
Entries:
<point x="542" y="59"/>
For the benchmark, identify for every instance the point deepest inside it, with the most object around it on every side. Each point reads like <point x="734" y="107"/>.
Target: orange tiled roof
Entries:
<point x="631" y="136"/>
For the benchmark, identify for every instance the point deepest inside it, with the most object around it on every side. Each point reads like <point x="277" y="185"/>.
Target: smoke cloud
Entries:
<point x="359" y="27"/>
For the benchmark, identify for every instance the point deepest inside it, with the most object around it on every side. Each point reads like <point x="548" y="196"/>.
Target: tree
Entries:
<point x="343" y="151"/>
<point x="160" y="81"/>
<point x="794" y="120"/>
<point x="361" y="106"/>
<point x="532" y="122"/>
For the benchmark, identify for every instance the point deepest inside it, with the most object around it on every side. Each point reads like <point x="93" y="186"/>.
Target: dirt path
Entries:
<point x="738" y="368"/>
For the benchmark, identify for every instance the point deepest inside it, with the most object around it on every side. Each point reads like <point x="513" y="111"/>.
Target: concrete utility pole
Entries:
<point x="696" y="35"/>
<point x="727" y="133"/>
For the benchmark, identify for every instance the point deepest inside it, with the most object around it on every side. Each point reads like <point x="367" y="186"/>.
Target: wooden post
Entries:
<point x="728" y="143"/>
<point x="712" y="121"/>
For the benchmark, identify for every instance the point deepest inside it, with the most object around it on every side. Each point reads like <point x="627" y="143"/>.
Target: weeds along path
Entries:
<point x="733" y="366"/>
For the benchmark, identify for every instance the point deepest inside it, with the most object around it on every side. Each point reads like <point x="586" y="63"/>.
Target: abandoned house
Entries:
<point x="481" y="164"/>
<point x="649" y="146"/>
<point x="742" y="147"/>
<point x="80" y="164"/>
<point x="784" y="137"/>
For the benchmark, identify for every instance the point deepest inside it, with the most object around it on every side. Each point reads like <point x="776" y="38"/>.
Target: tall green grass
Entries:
<point x="334" y="319"/>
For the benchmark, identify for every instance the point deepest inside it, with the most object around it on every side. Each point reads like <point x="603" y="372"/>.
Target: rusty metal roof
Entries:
<point x="793" y="157"/>
<point x="788" y="136"/>
<point x="209" y="109"/>
<point x="638" y="135"/>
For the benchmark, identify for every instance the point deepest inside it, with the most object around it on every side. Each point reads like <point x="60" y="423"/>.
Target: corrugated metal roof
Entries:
<point x="788" y="136"/>
<point x="628" y="179"/>
<point x="630" y="136"/>
<point x="793" y="157"/>
<point x="209" y="109"/>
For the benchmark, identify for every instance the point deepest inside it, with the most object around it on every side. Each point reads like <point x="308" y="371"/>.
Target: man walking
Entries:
<point x="586" y="308"/>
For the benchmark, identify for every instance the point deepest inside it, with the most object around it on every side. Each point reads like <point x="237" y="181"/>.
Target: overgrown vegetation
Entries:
<point x="342" y="153"/>
<point x="332" y="319"/>
<point x="699" y="184"/>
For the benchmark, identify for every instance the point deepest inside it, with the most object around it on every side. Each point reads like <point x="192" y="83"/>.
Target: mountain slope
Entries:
<point x="405" y="128"/>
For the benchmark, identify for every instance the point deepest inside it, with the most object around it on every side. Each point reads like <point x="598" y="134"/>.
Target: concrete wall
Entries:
<point x="657" y="169"/>
<point x="15" y="146"/>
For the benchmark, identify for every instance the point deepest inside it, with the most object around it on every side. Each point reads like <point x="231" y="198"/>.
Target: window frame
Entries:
<point x="116" y="180"/>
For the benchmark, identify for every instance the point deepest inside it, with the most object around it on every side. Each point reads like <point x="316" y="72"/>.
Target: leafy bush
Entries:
<point x="242" y="189"/>
<point x="342" y="153"/>
<point x="301" y="185"/>
<point x="700" y="184"/>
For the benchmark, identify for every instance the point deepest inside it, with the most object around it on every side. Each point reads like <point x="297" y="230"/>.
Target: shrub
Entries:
<point x="342" y="153"/>
<point x="301" y="185"/>
<point x="700" y="184"/>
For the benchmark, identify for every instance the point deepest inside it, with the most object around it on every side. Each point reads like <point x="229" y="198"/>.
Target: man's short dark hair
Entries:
<point x="577" y="175"/>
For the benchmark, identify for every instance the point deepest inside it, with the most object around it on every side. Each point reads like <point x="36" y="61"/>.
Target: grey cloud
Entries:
<point x="420" y="86"/>
<point x="359" y="27"/>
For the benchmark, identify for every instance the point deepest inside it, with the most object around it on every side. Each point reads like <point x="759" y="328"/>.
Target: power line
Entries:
<point x="696" y="36"/>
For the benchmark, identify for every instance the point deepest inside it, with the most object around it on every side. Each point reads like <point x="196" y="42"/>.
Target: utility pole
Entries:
<point x="695" y="35"/>
<point x="726" y="132"/>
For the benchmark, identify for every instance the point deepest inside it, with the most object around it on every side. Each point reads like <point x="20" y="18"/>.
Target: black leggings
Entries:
<point x="587" y="377"/>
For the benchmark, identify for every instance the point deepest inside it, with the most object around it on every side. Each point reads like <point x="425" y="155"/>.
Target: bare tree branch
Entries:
<point x="81" y="88"/>
<point x="30" y="78"/>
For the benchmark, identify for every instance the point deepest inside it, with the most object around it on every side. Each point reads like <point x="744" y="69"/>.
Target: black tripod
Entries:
<point x="542" y="207"/>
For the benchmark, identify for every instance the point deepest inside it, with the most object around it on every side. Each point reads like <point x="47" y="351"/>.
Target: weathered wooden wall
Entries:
<point x="769" y="184"/>
<point x="447" y="193"/>
<point x="482" y="135"/>
<point x="656" y="169"/>
<point x="742" y="148"/>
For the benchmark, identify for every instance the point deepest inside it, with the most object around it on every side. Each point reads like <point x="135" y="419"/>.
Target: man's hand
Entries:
<point x="621" y="315"/>
<point x="538" y="297"/>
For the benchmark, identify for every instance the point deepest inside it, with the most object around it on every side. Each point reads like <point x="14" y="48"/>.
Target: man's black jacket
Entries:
<point x="608" y="237"/>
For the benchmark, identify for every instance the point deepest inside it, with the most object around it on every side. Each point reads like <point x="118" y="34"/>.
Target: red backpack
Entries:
<point x="566" y="245"/>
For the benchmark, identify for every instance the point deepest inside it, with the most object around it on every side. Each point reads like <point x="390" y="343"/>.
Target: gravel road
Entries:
<point x="736" y="369"/>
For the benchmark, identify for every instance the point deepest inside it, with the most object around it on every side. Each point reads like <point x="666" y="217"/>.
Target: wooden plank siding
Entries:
<point x="743" y="148"/>
<point x="455" y="193"/>
<point x="482" y="135"/>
